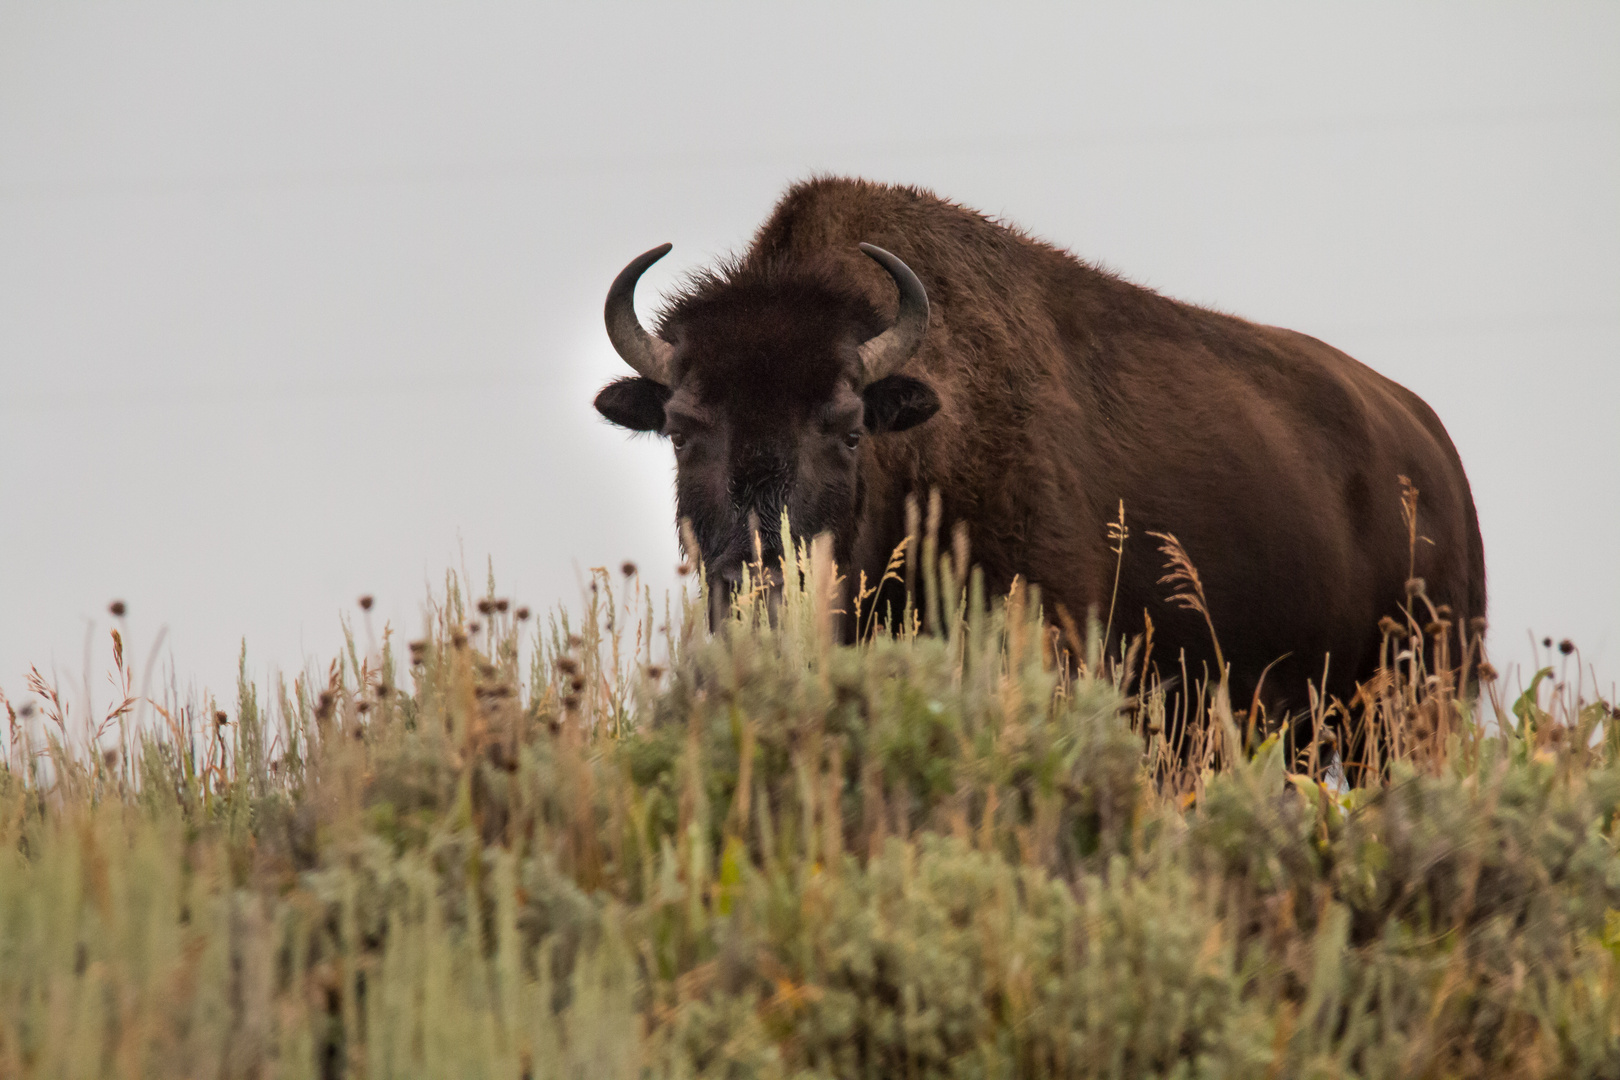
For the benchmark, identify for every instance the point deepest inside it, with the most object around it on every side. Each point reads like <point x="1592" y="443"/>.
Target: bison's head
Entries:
<point x="768" y="384"/>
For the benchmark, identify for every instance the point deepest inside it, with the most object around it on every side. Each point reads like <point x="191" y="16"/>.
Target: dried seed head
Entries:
<point x="575" y="641"/>
<point x="473" y="626"/>
<point x="1477" y="624"/>
<point x="220" y="718"/>
<point x="655" y="672"/>
<point x="576" y="684"/>
<point x="1566" y="646"/>
<point x="365" y="602"/>
<point x="1487" y="671"/>
<point x="458" y="638"/>
<point x="1414" y="586"/>
<point x="502" y="605"/>
<point x="486" y="607"/>
<point x="1388" y="626"/>
<point x="567" y="665"/>
<point x="1436" y="628"/>
<point x="1443" y="611"/>
<point x="523" y="614"/>
<point x="1546" y="643"/>
<point x="363" y="707"/>
<point x="684" y="568"/>
<point x="109" y="758"/>
<point x="26" y="709"/>
<point x="571" y="702"/>
<point x="117" y="607"/>
<point x="628" y="569"/>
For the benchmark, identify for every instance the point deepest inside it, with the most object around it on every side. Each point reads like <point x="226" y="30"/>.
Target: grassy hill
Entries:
<point x="623" y="847"/>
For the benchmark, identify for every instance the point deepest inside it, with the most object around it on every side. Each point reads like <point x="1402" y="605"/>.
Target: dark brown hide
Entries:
<point x="1062" y="390"/>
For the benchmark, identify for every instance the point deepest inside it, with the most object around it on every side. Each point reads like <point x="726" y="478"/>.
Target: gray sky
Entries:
<point x="301" y="301"/>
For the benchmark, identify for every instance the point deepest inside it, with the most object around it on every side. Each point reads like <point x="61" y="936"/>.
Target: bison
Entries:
<point x="877" y="342"/>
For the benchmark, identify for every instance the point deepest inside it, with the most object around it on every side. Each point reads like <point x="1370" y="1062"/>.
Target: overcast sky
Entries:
<point x="303" y="301"/>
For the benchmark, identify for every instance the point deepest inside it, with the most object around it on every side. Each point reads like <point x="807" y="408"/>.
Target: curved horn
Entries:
<point x="647" y="354"/>
<point x="884" y="354"/>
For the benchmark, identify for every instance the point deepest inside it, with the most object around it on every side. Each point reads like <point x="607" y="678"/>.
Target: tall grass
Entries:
<point x="624" y="846"/>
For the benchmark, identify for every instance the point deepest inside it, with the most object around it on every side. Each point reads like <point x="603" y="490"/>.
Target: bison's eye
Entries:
<point x="677" y="440"/>
<point x="852" y="440"/>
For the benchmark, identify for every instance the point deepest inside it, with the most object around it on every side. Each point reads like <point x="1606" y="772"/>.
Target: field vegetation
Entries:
<point x="615" y="844"/>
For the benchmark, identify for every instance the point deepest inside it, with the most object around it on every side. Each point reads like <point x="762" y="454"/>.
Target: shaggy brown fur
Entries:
<point x="1062" y="390"/>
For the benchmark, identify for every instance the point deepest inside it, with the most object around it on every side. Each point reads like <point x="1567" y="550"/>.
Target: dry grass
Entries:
<point x="622" y="846"/>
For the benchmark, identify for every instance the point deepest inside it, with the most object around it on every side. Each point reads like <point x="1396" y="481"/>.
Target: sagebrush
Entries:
<point x="627" y="846"/>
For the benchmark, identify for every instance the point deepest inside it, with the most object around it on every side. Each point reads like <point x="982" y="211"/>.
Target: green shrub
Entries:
<point x="962" y="854"/>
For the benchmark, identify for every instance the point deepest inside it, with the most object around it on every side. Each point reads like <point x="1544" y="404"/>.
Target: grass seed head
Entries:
<point x="117" y="607"/>
<point x="486" y="607"/>
<point x="522" y="614"/>
<point x="1566" y="646"/>
<point x="366" y="601"/>
<point x="628" y="569"/>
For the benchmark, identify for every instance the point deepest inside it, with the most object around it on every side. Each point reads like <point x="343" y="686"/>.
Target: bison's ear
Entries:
<point x="897" y="403"/>
<point x="634" y="403"/>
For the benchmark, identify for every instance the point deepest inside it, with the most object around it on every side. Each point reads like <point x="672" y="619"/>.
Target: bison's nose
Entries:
<point x="769" y="576"/>
<point x="726" y="587"/>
